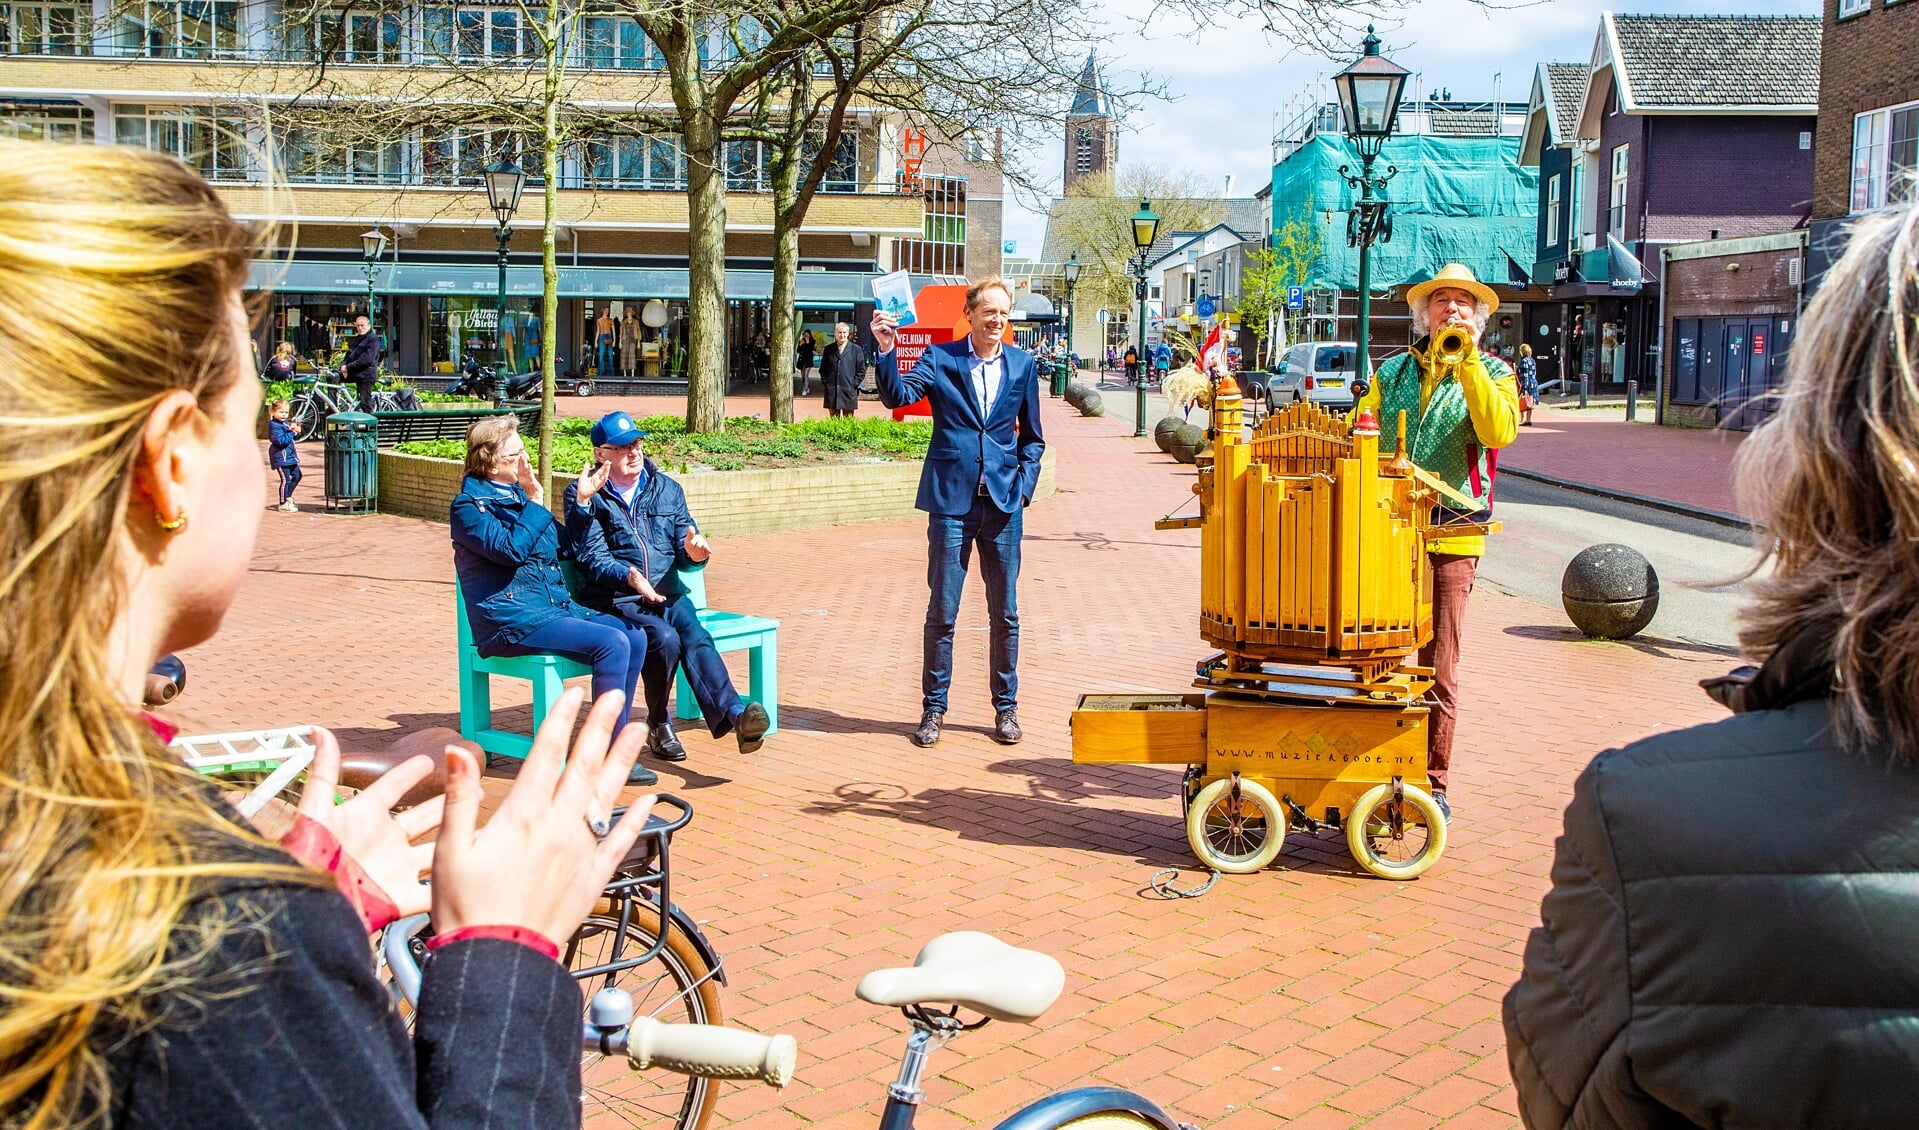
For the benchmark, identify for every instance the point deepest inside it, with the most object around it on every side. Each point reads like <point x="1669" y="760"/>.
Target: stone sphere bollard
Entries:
<point x="1163" y="433"/>
<point x="1186" y="442"/>
<point x="1091" y="404"/>
<point x="1610" y="591"/>
<point x="1077" y="392"/>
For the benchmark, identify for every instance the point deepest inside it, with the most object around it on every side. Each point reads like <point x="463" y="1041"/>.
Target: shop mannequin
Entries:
<point x="630" y="344"/>
<point x="606" y="334"/>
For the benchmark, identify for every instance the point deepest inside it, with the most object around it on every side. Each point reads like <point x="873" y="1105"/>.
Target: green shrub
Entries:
<point x="745" y="439"/>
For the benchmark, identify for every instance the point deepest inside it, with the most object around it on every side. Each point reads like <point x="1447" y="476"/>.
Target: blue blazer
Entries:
<point x="506" y="551"/>
<point x="1005" y="446"/>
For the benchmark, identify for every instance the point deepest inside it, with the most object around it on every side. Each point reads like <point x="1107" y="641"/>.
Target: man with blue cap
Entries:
<point x="628" y="530"/>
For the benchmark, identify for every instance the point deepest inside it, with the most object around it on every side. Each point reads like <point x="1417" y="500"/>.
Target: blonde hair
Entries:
<point x="119" y="273"/>
<point x="1525" y="350"/>
<point x="1833" y="480"/>
<point x="284" y="349"/>
<point x="485" y="439"/>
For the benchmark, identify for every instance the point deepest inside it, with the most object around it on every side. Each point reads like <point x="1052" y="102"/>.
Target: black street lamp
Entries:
<point x="504" y="183"/>
<point x="1145" y="231"/>
<point x="372" y="245"/>
<point x="1369" y="93"/>
<point x="1071" y="271"/>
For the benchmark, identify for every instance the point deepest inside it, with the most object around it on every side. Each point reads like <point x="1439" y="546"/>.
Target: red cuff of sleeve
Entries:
<point x="314" y="845"/>
<point x="529" y="938"/>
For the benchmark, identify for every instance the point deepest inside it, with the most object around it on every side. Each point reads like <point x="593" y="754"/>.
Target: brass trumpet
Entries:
<point x="1451" y="345"/>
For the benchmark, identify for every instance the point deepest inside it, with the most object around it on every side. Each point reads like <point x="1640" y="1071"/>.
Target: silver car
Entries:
<point x="1319" y="371"/>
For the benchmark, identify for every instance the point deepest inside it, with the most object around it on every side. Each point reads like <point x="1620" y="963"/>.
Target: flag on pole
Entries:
<point x="1212" y="355"/>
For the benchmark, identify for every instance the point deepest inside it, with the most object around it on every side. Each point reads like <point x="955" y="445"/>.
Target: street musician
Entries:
<point x="1461" y="406"/>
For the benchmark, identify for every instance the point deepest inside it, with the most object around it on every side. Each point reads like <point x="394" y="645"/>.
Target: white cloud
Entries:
<point x="1232" y="81"/>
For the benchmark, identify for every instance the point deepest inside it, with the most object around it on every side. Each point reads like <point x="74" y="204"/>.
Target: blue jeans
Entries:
<point x="949" y="549"/>
<point x="606" y="356"/>
<point x="289" y="478"/>
<point x="615" y="650"/>
<point x="675" y="638"/>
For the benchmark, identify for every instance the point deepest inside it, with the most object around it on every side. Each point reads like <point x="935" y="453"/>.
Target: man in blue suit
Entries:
<point x="980" y="473"/>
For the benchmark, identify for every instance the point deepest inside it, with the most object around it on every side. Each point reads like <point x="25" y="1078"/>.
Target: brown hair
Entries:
<point x="973" y="292"/>
<point x="1833" y="480"/>
<point x="119" y="274"/>
<point x="485" y="439"/>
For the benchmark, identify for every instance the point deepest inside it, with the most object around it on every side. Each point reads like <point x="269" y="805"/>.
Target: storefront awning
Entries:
<point x="816" y="288"/>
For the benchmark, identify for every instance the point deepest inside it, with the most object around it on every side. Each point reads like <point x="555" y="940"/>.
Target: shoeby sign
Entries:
<point x="941" y="311"/>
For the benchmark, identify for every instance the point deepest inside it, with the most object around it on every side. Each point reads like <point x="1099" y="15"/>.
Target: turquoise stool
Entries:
<point x="758" y="636"/>
<point x="731" y="631"/>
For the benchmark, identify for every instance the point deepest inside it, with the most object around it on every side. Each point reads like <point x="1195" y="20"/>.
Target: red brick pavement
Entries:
<point x="1689" y="466"/>
<point x="1311" y="994"/>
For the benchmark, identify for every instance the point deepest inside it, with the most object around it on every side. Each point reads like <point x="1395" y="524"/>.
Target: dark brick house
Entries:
<point x="1551" y="144"/>
<point x="1868" y="117"/>
<point x="1687" y="128"/>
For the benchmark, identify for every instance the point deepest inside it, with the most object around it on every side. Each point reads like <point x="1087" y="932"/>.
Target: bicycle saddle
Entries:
<point x="974" y="971"/>
<point x="359" y="770"/>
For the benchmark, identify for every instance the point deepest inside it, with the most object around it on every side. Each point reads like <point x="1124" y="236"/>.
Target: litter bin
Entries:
<point x="1062" y="372"/>
<point x="352" y="480"/>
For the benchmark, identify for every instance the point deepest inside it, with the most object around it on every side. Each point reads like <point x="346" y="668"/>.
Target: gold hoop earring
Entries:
<point x="174" y="525"/>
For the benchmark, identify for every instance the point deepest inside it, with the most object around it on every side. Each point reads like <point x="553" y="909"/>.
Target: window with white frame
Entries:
<point x="617" y="43"/>
<point x="746" y="167"/>
<point x="44" y="29"/>
<point x="1853" y="7"/>
<point x="1552" y="210"/>
<point x="1616" y="209"/>
<point x="348" y="36"/>
<point x="1885" y="150"/>
<point x="211" y="143"/>
<point x="475" y="33"/>
<point x="181" y="29"/>
<point x="843" y="170"/>
<point x="652" y="162"/>
<point x="34" y="122"/>
<point x="459" y="156"/>
<point x="311" y="157"/>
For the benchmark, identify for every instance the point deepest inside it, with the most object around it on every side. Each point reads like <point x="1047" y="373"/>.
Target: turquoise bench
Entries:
<point x="731" y="631"/>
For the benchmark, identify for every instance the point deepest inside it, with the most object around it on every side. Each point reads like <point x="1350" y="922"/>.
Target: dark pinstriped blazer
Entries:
<point x="296" y="1031"/>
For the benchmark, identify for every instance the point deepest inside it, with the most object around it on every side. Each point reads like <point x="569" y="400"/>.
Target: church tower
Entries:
<point x="1092" y="140"/>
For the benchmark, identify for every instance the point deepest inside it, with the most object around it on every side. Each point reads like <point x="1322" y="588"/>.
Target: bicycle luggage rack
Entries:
<point x="282" y="754"/>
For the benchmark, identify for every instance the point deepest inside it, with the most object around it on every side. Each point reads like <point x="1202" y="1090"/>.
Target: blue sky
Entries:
<point x="1232" y="84"/>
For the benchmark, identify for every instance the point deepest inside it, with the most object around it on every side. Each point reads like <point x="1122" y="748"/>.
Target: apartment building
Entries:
<point x="1868" y="150"/>
<point x="223" y="85"/>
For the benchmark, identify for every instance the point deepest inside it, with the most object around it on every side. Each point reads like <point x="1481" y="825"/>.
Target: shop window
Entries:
<point x="1885" y="150"/>
<point x="182" y="29"/>
<point x="44" y="29"/>
<point x="211" y="144"/>
<point x="460" y="328"/>
<point x="30" y="122"/>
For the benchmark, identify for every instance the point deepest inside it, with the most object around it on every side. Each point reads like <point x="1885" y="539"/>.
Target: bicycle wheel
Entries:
<point x="304" y="415"/>
<point x="677" y="987"/>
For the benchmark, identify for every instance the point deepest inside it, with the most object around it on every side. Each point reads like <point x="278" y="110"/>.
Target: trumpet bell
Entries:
<point x="1451" y="345"/>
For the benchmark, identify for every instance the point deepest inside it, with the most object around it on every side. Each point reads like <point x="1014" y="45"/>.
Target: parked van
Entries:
<point x="1319" y="371"/>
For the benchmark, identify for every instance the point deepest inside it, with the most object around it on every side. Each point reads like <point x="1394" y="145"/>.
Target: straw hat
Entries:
<point x="1460" y="277"/>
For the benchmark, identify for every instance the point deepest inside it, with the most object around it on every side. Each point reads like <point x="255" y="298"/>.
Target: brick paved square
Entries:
<point x="1312" y="992"/>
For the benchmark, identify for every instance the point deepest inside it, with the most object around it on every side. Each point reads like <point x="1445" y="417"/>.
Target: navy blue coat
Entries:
<point x="1006" y="447"/>
<point x="362" y="360"/>
<point x="507" y="553"/>
<point x="606" y="539"/>
<point x="280" y="444"/>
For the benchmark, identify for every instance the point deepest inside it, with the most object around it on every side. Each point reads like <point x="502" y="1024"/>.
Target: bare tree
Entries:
<point x="1095" y="222"/>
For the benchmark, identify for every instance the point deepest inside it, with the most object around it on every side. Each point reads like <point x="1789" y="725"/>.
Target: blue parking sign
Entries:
<point x="1295" y="298"/>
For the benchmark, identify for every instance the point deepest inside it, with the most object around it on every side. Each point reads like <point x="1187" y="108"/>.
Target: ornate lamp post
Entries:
<point x="372" y="245"/>
<point x="1071" y="270"/>
<point x="1145" y="231"/>
<point x="1369" y="93"/>
<point x="504" y="183"/>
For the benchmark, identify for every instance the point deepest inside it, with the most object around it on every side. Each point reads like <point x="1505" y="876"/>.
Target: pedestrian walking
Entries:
<point x="978" y="478"/>
<point x="362" y="363"/>
<point x="804" y="354"/>
<point x="1528" y="384"/>
<point x="1458" y="412"/>
<point x="283" y="454"/>
<point x="842" y="370"/>
<point x="1697" y="968"/>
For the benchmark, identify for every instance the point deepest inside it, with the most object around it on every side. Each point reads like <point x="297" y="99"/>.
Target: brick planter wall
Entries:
<point x="723" y="502"/>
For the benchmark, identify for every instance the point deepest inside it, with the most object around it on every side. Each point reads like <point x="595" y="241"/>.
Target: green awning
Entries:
<point x="816" y="288"/>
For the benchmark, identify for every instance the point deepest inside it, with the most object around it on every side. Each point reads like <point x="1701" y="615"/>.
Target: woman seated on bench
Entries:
<point x="506" y="549"/>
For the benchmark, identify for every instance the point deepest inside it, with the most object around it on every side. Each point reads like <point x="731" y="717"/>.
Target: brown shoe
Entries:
<point x="1006" y="729"/>
<point x="929" y="729"/>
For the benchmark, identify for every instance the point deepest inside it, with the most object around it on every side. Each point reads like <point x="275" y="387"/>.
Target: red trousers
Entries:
<point x="1452" y="584"/>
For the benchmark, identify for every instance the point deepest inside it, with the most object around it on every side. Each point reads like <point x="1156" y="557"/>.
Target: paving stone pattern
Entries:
<point x="1310" y="995"/>
<point x="1689" y="466"/>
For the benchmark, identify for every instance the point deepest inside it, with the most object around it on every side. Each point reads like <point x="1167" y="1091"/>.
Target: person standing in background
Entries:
<point x="1528" y="384"/>
<point x="803" y="355"/>
<point x="361" y="366"/>
<point x="842" y="369"/>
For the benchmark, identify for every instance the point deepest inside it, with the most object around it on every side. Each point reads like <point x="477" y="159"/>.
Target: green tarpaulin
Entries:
<point x="1454" y="200"/>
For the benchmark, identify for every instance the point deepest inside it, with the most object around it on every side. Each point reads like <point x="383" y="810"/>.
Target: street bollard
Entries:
<point x="1585" y="385"/>
<point x="1632" y="400"/>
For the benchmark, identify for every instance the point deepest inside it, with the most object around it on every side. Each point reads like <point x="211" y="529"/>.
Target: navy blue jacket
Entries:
<point x="362" y="360"/>
<point x="606" y="539"/>
<point x="507" y="553"/>
<point x="1006" y="448"/>
<point x="280" y="441"/>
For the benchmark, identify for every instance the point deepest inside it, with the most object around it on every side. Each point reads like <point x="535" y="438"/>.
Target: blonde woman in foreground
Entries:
<point x="162" y="965"/>
<point x="1732" y="936"/>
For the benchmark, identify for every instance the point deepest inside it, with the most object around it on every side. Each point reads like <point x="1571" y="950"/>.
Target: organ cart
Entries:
<point x="1316" y="592"/>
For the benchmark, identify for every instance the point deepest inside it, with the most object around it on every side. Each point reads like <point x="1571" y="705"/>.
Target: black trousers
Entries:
<point x="674" y="638"/>
<point x="365" y="388"/>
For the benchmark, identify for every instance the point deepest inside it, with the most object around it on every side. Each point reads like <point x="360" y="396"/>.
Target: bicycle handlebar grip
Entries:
<point x="711" y="1051"/>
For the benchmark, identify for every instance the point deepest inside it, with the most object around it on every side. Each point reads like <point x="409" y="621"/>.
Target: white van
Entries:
<point x="1319" y="371"/>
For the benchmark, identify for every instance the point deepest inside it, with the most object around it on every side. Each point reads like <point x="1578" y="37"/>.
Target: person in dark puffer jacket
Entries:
<point x="1732" y="935"/>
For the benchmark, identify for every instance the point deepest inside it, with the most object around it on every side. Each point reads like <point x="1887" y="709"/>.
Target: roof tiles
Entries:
<point x="1682" y="61"/>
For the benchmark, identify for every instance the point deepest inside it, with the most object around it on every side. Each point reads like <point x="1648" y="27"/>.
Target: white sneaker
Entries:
<point x="287" y="507"/>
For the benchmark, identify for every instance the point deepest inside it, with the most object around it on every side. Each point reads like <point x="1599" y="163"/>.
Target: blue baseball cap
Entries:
<point x="616" y="429"/>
